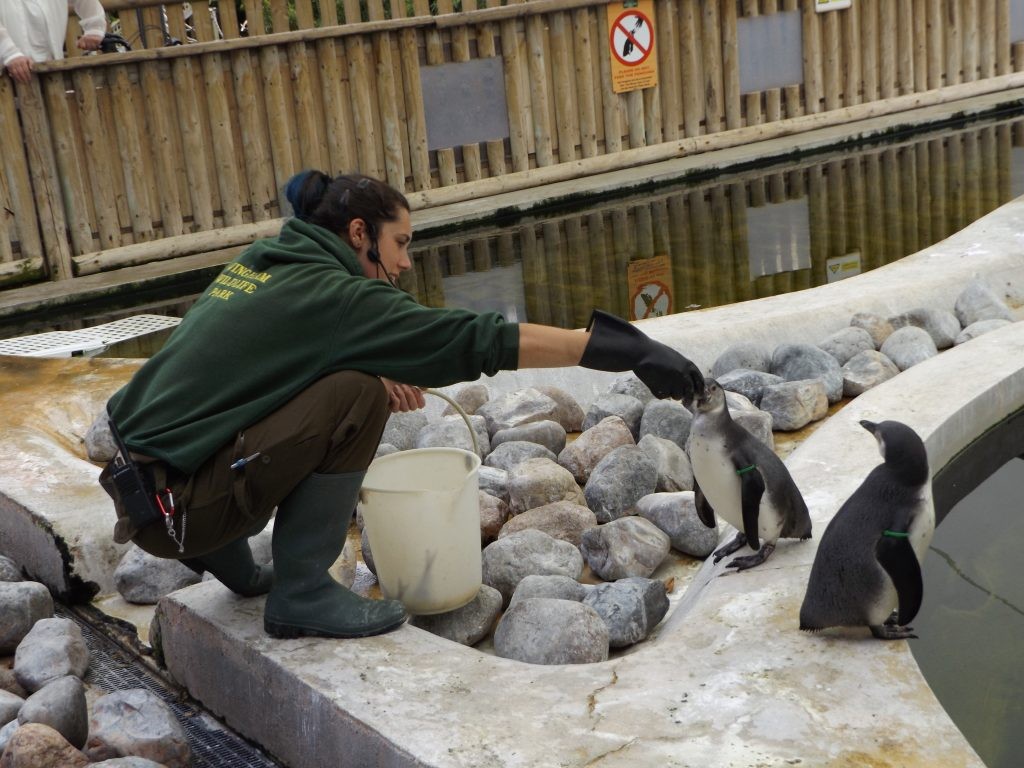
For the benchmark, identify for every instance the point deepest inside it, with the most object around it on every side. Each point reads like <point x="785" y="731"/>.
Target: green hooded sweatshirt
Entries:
<point x="286" y="312"/>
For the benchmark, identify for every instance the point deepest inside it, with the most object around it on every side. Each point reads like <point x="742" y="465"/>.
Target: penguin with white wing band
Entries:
<point x="868" y="564"/>
<point x="741" y="478"/>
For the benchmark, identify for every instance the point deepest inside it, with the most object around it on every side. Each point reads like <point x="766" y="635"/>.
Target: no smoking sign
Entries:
<point x="631" y="38"/>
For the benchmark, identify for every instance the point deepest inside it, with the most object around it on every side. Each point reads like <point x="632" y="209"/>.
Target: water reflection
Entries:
<point x="972" y="619"/>
<point x="704" y="242"/>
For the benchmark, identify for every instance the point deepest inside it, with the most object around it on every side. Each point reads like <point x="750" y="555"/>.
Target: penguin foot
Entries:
<point x="738" y="541"/>
<point x="892" y="632"/>
<point x="742" y="563"/>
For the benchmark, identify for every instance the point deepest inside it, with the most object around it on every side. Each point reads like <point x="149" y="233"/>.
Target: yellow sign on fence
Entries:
<point x="631" y="44"/>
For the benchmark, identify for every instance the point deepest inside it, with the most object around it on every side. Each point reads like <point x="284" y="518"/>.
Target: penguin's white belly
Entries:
<point x="716" y="475"/>
<point x="922" y="524"/>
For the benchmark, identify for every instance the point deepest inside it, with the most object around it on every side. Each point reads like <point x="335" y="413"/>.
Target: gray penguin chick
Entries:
<point x="741" y="478"/>
<point x="870" y="556"/>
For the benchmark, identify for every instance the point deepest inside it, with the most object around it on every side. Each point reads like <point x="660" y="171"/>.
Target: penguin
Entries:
<point x="741" y="478"/>
<point x="870" y="556"/>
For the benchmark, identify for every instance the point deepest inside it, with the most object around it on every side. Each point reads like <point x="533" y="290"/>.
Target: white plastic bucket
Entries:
<point x="421" y="509"/>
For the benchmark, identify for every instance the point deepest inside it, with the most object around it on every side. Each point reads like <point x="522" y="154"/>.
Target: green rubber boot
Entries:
<point x="233" y="566"/>
<point x="309" y="534"/>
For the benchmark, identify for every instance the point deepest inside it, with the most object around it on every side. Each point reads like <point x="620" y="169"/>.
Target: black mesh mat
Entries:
<point x="111" y="668"/>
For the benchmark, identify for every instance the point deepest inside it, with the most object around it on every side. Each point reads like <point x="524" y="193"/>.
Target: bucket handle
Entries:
<point x="462" y="413"/>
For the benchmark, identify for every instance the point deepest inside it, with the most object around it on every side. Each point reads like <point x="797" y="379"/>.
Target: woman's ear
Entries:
<point x="356" y="233"/>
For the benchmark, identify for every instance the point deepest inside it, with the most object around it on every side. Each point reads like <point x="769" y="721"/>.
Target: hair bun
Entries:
<point x="305" y="190"/>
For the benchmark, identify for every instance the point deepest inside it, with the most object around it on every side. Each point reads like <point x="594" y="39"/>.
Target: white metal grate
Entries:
<point x="87" y="340"/>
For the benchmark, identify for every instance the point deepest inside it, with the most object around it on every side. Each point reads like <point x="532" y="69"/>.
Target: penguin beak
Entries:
<point x="870" y="426"/>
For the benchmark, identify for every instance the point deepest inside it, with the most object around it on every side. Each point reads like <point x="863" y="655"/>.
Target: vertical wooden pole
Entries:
<point x="15" y="169"/>
<point x="416" y="119"/>
<point x="773" y="96"/>
<point x="868" y="11"/>
<point x="693" y="76"/>
<point x="936" y="44"/>
<point x="905" y="46"/>
<point x="282" y="142"/>
<point x="969" y="17"/>
<point x="390" y="122"/>
<point x="157" y="85"/>
<point x="586" y="87"/>
<point x="987" y="39"/>
<point x="751" y="101"/>
<point x="954" y="41"/>
<point x="731" y="67"/>
<point x="516" y="94"/>
<point x="851" y="45"/>
<point x="920" y="33"/>
<point x="792" y="93"/>
<point x="924" y="195"/>
<point x="566" y="109"/>
<point x="130" y="149"/>
<point x="1003" y="65"/>
<point x="72" y="185"/>
<point x="812" y="59"/>
<point x="669" y="75"/>
<point x="255" y="145"/>
<point x="831" y="50"/>
<point x="712" y="57"/>
<point x="225" y="159"/>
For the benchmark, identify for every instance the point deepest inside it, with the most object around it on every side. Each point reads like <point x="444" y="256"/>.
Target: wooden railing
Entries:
<point x="119" y="159"/>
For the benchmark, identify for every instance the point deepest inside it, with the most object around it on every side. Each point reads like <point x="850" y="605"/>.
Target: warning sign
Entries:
<point x="649" y="291"/>
<point x="631" y="44"/>
<point x="840" y="267"/>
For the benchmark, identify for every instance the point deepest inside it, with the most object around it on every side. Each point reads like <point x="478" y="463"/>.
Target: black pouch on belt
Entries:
<point x="136" y="493"/>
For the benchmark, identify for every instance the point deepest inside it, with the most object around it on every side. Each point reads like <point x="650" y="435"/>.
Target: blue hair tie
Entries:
<point x="293" y="192"/>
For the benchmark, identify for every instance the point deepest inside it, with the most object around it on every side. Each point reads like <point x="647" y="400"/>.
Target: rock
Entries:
<point x="865" y="371"/>
<point x="557" y="587"/>
<point x="737" y="403"/>
<point x="795" y="404"/>
<point x="509" y="560"/>
<point x="671" y="461"/>
<point x="940" y="324"/>
<point x="469" y="397"/>
<point x="143" y="579"/>
<point x="583" y="454"/>
<point x="9" y="570"/>
<point x="796" y="362"/>
<point x="758" y="423"/>
<point x="9" y="705"/>
<point x="629" y="384"/>
<point x="536" y="482"/>
<point x="493" y="514"/>
<point x="748" y="383"/>
<point x="6" y="733"/>
<point x="626" y="407"/>
<point x="384" y="449"/>
<point x="367" y="552"/>
<point x="676" y="515"/>
<point x="562" y="520"/>
<point x="568" y="414"/>
<point x="878" y="327"/>
<point x="493" y="481"/>
<point x="550" y="434"/>
<point x="745" y="354"/>
<point x="39" y="746"/>
<point x="630" y="607"/>
<point x="974" y="330"/>
<point x="467" y="625"/>
<point x="52" y="648"/>
<point x="511" y="454"/>
<point x="979" y="302"/>
<point x="517" y="408"/>
<point x="402" y="428"/>
<point x="452" y="432"/>
<point x="909" y="346"/>
<point x="629" y="546"/>
<point x="542" y="630"/>
<point x="136" y="722"/>
<point x="22" y="604"/>
<point x="128" y="762"/>
<point x="847" y="342"/>
<point x="100" y="446"/>
<point x="9" y="683"/>
<point x="61" y="705"/>
<point x="619" y="481"/>
<point x="667" y="419"/>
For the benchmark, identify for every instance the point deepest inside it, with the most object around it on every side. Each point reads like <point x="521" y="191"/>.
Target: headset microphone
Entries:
<point x="374" y="255"/>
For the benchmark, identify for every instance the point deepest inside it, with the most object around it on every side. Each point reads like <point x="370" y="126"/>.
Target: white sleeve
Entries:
<point x="8" y="49"/>
<point x="90" y="12"/>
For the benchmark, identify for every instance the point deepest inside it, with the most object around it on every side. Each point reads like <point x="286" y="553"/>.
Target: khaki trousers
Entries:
<point x="332" y="427"/>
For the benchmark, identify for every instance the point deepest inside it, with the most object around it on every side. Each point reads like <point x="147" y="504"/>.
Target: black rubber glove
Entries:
<point x="616" y="345"/>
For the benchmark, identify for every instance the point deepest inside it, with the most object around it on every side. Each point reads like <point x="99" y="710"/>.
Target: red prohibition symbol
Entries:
<point x="631" y="38"/>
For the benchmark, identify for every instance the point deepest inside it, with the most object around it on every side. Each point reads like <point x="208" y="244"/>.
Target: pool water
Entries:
<point x="971" y="623"/>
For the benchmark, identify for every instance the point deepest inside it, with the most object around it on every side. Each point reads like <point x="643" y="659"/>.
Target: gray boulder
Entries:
<point x="61" y="705"/>
<point x="541" y="630"/>
<point x="626" y="407"/>
<point x="518" y="408"/>
<point x="667" y="419"/>
<point x="469" y="397"/>
<point x="629" y="546"/>
<point x="796" y="362"/>
<point x="877" y="326"/>
<point x="493" y="514"/>
<point x="940" y="324"/>
<point x="758" y="423"/>
<point x="38" y="746"/>
<point x="384" y="449"/>
<point x="52" y="648"/>
<point x="452" y="432"/>
<point x="621" y="479"/>
<point x="467" y="625"/>
<point x="99" y="441"/>
<point x="9" y="570"/>
<point x="630" y="607"/>
<point x="568" y="413"/>
<point x="979" y="302"/>
<point x="510" y="454"/>
<point x="9" y="705"/>
<point x="974" y="330"/>
<point x="748" y="383"/>
<point x="493" y="481"/>
<point x="795" y="404"/>
<point x="585" y="452"/>
<point x="536" y="482"/>
<point x="671" y="461"/>
<point x="22" y="604"/>
<point x="8" y="731"/>
<point x="676" y="515"/>
<point x="557" y="587"/>
<point x="550" y="434"/>
<point x="402" y="428"/>
<point x="143" y="579"/>
<point x="509" y="560"/>
<point x="136" y="722"/>
<point x="562" y="520"/>
<point x="629" y="384"/>
<point x="847" y="342"/>
<point x="865" y="371"/>
<point x="909" y="346"/>
<point x="745" y="354"/>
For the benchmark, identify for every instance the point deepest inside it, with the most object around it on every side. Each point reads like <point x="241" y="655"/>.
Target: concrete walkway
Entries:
<point x="727" y="680"/>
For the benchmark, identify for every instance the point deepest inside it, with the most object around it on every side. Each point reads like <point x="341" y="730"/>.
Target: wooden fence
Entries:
<point x="115" y="160"/>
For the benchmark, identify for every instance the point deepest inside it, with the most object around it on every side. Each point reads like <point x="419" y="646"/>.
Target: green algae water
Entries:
<point x="971" y="623"/>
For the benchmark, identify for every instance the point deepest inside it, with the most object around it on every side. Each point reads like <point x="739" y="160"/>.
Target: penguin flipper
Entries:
<point x="704" y="510"/>
<point x="751" y="491"/>
<point x="897" y="557"/>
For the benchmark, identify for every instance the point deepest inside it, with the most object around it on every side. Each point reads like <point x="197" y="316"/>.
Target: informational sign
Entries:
<point x="649" y="281"/>
<point x="839" y="267"/>
<point x="831" y="5"/>
<point x="631" y="44"/>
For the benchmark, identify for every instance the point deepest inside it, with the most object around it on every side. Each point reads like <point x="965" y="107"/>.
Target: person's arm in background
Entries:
<point x="94" y="23"/>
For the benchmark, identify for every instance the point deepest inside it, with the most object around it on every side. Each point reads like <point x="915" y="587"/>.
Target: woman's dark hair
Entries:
<point x="333" y="203"/>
